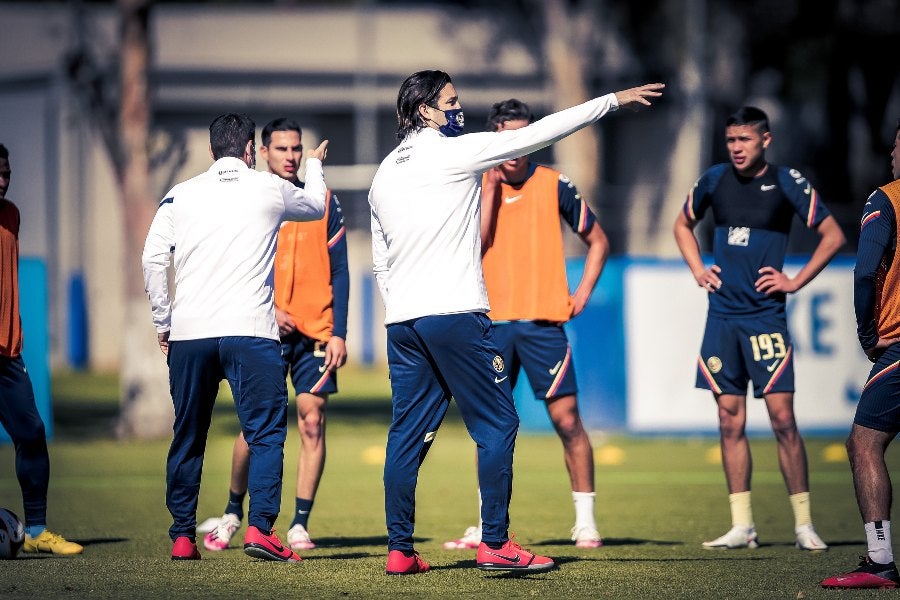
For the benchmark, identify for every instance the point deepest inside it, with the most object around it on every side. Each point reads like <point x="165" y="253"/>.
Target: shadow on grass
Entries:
<point x="716" y="555"/>
<point x="84" y="419"/>
<point x="100" y="541"/>
<point x="494" y="574"/>
<point x="345" y="542"/>
<point x="86" y="405"/>
<point x="611" y="542"/>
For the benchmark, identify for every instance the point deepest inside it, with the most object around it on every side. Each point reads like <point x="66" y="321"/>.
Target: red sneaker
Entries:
<point x="400" y="564"/>
<point x="267" y="547"/>
<point x="185" y="549"/>
<point x="868" y="575"/>
<point x="511" y="557"/>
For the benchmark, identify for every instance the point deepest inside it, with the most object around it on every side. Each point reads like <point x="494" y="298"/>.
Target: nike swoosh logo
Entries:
<point x="513" y="559"/>
<point x="511" y="199"/>
<point x="555" y="369"/>
<point x="771" y="367"/>
<point x="767" y="188"/>
<point x="807" y="190"/>
<point x="500" y="379"/>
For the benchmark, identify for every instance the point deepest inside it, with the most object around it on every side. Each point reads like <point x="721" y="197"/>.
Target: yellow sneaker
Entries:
<point x="48" y="541"/>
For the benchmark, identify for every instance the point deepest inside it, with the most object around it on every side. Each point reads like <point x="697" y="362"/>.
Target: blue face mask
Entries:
<point x="456" y="122"/>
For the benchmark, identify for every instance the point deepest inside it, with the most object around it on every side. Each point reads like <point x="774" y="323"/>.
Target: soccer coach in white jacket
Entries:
<point x="426" y="247"/>
<point x="219" y="230"/>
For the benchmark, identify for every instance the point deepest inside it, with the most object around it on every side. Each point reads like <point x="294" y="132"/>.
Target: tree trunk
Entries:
<point x="146" y="409"/>
<point x="577" y="155"/>
<point x="691" y="149"/>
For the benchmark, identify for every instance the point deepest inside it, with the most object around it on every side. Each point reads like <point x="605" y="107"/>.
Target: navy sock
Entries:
<point x="494" y="545"/>
<point x="301" y="512"/>
<point x="235" y="504"/>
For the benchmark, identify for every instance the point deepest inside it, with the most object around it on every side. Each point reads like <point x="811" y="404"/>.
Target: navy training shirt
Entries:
<point x="752" y="219"/>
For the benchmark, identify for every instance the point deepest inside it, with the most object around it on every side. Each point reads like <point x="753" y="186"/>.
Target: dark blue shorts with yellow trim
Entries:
<point x="304" y="359"/>
<point x="542" y="350"/>
<point x="736" y="351"/>
<point x="879" y="403"/>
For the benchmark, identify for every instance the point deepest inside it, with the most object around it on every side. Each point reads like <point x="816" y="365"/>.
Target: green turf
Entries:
<point x="653" y="509"/>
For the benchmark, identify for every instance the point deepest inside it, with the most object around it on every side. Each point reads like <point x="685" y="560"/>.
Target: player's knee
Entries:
<point x="785" y="427"/>
<point x="312" y="425"/>
<point x="859" y="448"/>
<point x="730" y="426"/>
<point x="30" y="435"/>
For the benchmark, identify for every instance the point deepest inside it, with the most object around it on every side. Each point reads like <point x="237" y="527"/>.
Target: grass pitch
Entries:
<point x="657" y="500"/>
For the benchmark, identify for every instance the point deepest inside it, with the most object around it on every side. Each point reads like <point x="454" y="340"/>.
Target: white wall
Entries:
<point x="665" y="313"/>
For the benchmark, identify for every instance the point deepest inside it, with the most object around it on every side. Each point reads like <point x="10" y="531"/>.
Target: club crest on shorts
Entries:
<point x="714" y="363"/>
<point x="738" y="236"/>
<point x="498" y="363"/>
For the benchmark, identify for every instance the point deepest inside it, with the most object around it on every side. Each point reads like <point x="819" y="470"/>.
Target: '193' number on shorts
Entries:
<point x="767" y="346"/>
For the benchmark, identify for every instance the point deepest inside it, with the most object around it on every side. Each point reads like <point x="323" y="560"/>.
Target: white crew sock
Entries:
<point x="878" y="538"/>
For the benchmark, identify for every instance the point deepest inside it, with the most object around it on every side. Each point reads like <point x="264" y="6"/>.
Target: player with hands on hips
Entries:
<point x="752" y="204"/>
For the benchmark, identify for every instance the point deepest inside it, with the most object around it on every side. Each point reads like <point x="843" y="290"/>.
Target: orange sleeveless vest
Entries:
<point x="10" y="320"/>
<point x="303" y="275"/>
<point x="887" y="291"/>
<point x="525" y="268"/>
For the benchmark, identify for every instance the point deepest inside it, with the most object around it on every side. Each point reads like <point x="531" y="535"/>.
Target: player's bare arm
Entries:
<point x="707" y="278"/>
<point x="335" y="353"/>
<point x="878" y="349"/>
<point x="286" y="324"/>
<point x="831" y="239"/>
<point x="598" y="251"/>
<point x="320" y="151"/>
<point x="163" y="337"/>
<point x="634" y="98"/>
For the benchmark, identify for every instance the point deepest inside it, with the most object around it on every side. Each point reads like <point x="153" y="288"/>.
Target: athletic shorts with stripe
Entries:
<point x="304" y="359"/>
<point x="542" y="350"/>
<point x="879" y="403"/>
<point x="736" y="351"/>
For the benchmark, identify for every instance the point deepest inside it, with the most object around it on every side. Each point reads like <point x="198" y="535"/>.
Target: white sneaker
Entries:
<point x="298" y="538"/>
<point x="808" y="539"/>
<point x="218" y="538"/>
<point x="208" y="525"/>
<point x="470" y="540"/>
<point x="738" y="536"/>
<point x="586" y="537"/>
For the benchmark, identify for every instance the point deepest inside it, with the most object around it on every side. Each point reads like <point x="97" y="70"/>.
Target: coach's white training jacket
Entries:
<point x="220" y="229"/>
<point x="426" y="205"/>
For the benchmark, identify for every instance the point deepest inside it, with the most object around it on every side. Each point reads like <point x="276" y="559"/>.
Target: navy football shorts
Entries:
<point x="304" y="359"/>
<point x="879" y="403"/>
<point x="736" y="351"/>
<point x="542" y="349"/>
